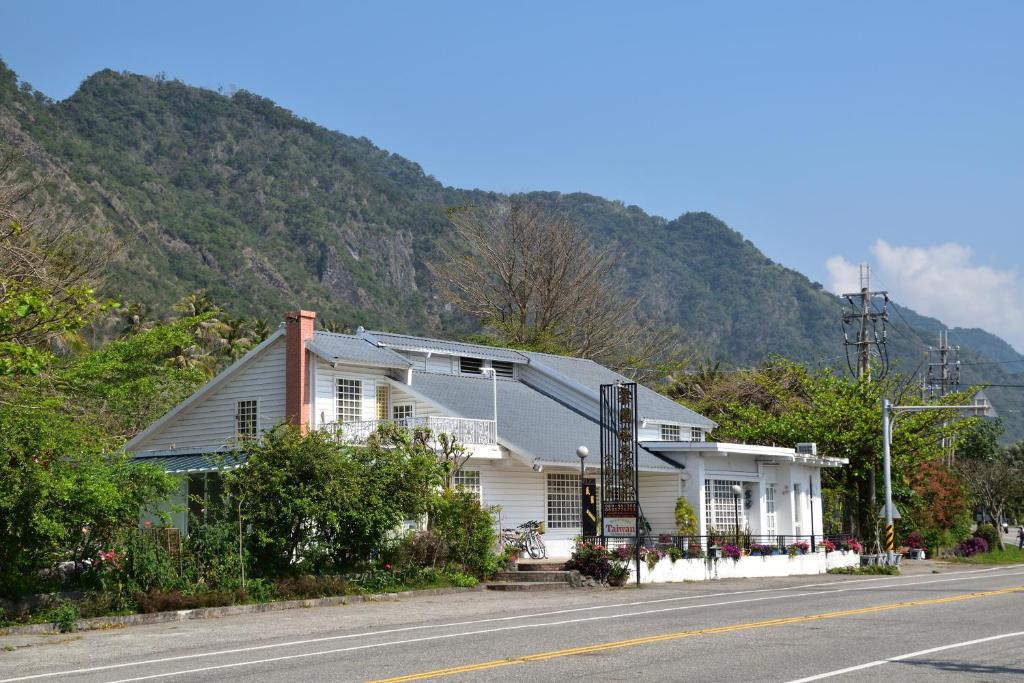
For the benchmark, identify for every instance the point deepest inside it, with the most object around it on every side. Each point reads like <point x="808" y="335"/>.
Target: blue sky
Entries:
<point x="826" y="133"/>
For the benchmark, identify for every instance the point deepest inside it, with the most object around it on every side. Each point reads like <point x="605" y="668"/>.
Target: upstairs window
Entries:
<point x="401" y="413"/>
<point x="246" y="419"/>
<point x="503" y="368"/>
<point x="350" y="400"/>
<point x="696" y="434"/>
<point x="471" y="366"/>
<point x="670" y="433"/>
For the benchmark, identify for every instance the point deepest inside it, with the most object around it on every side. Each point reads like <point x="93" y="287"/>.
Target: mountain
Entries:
<point x="266" y="211"/>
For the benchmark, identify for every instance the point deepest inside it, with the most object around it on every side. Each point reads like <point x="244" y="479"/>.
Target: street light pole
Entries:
<point x="889" y="415"/>
<point x="737" y="490"/>
<point x="582" y="452"/>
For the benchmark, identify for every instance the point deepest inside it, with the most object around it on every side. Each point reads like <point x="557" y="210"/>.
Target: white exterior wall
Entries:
<point x="750" y="566"/>
<point x="210" y="421"/>
<point x="658" y="495"/>
<point x="324" y="406"/>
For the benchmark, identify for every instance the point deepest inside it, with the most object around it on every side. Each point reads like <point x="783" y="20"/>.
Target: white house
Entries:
<point x="522" y="414"/>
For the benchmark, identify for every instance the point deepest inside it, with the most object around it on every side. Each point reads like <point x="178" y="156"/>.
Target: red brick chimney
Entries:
<point x="298" y="330"/>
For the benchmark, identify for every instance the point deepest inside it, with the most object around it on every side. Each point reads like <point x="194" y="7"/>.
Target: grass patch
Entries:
<point x="1009" y="555"/>
<point x="870" y="569"/>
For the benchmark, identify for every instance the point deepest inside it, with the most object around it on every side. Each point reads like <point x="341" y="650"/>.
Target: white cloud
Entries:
<point x="942" y="281"/>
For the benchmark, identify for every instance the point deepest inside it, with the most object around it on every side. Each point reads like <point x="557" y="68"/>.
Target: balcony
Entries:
<point x="465" y="431"/>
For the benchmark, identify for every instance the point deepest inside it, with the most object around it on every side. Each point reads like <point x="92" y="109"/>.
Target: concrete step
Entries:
<point x="532" y="587"/>
<point x="539" y="566"/>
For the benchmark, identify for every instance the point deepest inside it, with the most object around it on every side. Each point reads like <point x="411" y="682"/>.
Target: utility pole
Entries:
<point x="866" y="320"/>
<point x="944" y="375"/>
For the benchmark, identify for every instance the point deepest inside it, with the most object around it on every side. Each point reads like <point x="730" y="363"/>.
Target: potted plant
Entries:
<point x="829" y="546"/>
<point x="618" y="575"/>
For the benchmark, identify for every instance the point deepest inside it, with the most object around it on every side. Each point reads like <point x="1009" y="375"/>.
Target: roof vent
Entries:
<point x="809" y="448"/>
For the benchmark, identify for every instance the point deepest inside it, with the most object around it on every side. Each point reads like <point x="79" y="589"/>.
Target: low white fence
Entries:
<point x="748" y="566"/>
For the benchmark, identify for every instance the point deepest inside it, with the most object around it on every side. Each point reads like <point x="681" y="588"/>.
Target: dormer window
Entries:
<point x="471" y="366"/>
<point x="670" y="433"/>
<point x="503" y="368"/>
<point x="696" y="434"/>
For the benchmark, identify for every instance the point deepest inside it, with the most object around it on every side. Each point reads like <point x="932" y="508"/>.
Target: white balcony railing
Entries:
<point x="465" y="431"/>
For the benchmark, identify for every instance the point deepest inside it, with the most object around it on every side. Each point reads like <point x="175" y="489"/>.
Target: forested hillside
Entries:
<point x="266" y="211"/>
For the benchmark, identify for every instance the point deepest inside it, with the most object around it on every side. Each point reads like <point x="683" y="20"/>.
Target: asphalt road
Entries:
<point x="963" y="623"/>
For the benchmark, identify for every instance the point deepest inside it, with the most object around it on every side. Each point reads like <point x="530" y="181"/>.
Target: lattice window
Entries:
<point x="670" y="433"/>
<point x="770" y="525"/>
<point x="383" y="395"/>
<point x="469" y="481"/>
<point x="402" y="413"/>
<point x="720" y="506"/>
<point x="696" y="434"/>
<point x="246" y="419"/>
<point x="350" y="400"/>
<point x="563" y="501"/>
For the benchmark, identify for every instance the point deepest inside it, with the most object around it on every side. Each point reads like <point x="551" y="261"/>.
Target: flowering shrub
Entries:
<point x="651" y="556"/>
<point x="731" y="551"/>
<point x="675" y="553"/>
<point x="590" y="559"/>
<point x="761" y="549"/>
<point x="828" y="545"/>
<point x="624" y="553"/>
<point x="851" y="544"/>
<point x="800" y="547"/>
<point x="915" y="541"/>
<point x="972" y="546"/>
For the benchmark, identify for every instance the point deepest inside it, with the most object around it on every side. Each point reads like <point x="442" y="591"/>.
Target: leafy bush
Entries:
<point x="460" y="580"/>
<point x="423" y="549"/>
<point x="467" y="528"/>
<point x="172" y="600"/>
<point x="618" y="574"/>
<point x="915" y="541"/>
<point x="651" y="556"/>
<point x="990" y="534"/>
<point x="307" y="586"/>
<point x="675" y="553"/>
<point x="686" y="518"/>
<point x="212" y="548"/>
<point x="869" y="569"/>
<point x="65" y="617"/>
<point x="972" y="546"/>
<point x="319" y="506"/>
<point x="590" y="559"/>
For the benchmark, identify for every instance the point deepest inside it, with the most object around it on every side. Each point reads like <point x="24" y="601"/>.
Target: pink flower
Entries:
<point x="147" y="524"/>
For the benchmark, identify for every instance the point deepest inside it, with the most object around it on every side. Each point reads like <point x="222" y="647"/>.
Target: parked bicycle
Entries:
<point x="526" y="538"/>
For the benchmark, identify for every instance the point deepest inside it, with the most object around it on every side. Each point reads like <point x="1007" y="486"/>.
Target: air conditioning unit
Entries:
<point x="807" y="448"/>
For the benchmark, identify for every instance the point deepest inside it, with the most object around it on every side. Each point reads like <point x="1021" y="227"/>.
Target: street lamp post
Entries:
<point x="889" y="415"/>
<point x="582" y="452"/>
<point x="737" y="491"/>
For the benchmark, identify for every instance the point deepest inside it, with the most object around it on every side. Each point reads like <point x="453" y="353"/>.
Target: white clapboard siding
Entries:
<point x="513" y="486"/>
<point x="325" y="401"/>
<point x="420" y="408"/>
<point x="441" y="364"/>
<point x="658" y="495"/>
<point x="418" y="360"/>
<point x="210" y="421"/>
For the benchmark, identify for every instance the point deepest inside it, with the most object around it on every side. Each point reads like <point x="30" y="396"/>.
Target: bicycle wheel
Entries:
<point x="535" y="546"/>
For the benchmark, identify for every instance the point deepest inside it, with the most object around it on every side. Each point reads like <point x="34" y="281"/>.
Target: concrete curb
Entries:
<point x="95" y="623"/>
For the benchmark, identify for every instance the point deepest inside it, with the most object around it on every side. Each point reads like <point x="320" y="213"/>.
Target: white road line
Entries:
<point x="909" y="655"/>
<point x="961" y="576"/>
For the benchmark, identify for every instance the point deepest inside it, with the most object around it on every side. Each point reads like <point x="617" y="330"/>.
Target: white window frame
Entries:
<point x="346" y="408"/>
<point x="770" y="510"/>
<point x="720" y="506"/>
<point x="401" y="407"/>
<point x="671" y="432"/>
<point x="562" y="500"/>
<point x="469" y="481"/>
<point x="255" y="418"/>
<point x="696" y="434"/>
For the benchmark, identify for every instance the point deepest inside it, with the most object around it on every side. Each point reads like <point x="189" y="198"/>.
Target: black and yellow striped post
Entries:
<point x="888" y="537"/>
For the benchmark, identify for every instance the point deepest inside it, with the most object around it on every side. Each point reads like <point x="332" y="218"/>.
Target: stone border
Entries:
<point x="95" y="623"/>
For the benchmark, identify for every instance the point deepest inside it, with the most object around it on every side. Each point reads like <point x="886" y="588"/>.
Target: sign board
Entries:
<point x="619" y="526"/>
<point x="895" y="512"/>
<point x="620" y="509"/>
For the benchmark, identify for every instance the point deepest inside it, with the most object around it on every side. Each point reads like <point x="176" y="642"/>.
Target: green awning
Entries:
<point x="194" y="463"/>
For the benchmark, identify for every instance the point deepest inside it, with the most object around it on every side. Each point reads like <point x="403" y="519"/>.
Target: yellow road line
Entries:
<point x="600" y="647"/>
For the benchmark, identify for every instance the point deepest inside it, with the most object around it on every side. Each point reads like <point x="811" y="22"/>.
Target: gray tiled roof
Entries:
<point x="529" y="422"/>
<point x="193" y="462"/>
<point x="409" y="343"/>
<point x="591" y="375"/>
<point x="346" y="347"/>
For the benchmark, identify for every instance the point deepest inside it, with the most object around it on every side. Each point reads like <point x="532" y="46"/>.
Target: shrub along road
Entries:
<point x="962" y="624"/>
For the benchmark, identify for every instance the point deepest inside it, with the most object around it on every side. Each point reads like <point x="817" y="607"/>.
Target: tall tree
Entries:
<point x="535" y="281"/>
